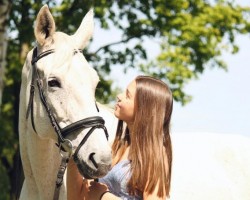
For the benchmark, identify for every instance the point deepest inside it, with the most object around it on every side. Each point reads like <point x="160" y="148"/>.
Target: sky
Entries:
<point x="221" y="99"/>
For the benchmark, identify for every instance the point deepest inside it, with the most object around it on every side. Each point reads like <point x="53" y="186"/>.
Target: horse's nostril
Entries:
<point x="91" y="157"/>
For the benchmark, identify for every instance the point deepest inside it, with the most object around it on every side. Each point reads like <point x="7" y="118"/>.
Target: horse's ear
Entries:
<point x="85" y="31"/>
<point x="45" y="25"/>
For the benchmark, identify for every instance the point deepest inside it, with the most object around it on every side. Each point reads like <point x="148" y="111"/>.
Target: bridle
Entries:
<point x="65" y="145"/>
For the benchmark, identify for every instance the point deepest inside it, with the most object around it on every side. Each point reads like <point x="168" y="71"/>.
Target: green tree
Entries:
<point x="4" y="13"/>
<point x="192" y="34"/>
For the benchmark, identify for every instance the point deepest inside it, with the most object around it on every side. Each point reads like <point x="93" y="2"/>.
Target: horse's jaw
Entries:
<point x="94" y="159"/>
<point x="89" y="171"/>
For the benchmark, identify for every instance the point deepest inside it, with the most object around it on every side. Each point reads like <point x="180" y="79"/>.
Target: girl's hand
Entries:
<point x="96" y="189"/>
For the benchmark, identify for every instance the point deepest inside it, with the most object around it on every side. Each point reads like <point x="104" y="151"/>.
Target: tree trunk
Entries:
<point x="4" y="15"/>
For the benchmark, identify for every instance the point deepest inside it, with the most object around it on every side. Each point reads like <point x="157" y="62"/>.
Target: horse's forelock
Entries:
<point x="63" y="49"/>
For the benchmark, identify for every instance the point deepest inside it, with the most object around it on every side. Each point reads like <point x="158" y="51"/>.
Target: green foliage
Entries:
<point x="192" y="34"/>
<point x="4" y="183"/>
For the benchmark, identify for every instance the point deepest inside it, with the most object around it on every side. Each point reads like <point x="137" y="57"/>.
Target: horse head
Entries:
<point x="61" y="102"/>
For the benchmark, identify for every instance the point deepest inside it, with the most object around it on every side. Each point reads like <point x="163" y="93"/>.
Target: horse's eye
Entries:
<point x="54" y="83"/>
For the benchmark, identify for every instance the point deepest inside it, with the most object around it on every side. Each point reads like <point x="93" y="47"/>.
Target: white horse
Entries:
<point x="64" y="96"/>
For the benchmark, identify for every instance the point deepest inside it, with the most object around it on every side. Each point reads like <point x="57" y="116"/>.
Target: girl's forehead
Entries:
<point x="132" y="84"/>
<point x="132" y="87"/>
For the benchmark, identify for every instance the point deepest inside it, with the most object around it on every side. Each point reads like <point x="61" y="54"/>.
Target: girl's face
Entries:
<point x="124" y="109"/>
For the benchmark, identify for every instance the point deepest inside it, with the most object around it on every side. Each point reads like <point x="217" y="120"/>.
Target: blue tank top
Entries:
<point x="117" y="179"/>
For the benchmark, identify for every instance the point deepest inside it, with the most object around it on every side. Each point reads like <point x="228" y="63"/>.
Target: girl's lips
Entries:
<point x="116" y="106"/>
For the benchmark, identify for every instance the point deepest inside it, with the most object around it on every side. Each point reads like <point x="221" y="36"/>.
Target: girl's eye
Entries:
<point x="127" y="96"/>
<point x="54" y="83"/>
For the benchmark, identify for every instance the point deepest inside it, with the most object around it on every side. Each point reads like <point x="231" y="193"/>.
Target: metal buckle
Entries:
<point x="67" y="146"/>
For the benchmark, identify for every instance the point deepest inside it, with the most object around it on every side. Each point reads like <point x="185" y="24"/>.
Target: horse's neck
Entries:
<point x="41" y="160"/>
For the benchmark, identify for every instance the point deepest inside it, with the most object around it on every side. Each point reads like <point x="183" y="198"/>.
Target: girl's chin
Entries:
<point x="116" y="113"/>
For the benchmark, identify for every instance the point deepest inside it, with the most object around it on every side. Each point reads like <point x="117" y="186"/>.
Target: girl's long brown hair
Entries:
<point x="149" y="141"/>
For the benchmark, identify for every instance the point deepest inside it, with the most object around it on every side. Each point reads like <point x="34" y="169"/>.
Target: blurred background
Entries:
<point x="199" y="47"/>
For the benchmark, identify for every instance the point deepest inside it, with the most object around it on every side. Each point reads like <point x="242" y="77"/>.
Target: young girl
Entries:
<point x="142" y="152"/>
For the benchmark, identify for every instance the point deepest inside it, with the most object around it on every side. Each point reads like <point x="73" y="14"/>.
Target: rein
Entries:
<point x="65" y="145"/>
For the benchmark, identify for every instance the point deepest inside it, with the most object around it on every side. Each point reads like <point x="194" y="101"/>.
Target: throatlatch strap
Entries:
<point x="60" y="174"/>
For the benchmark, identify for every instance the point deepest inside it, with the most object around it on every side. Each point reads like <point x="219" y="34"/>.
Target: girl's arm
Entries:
<point x="99" y="191"/>
<point x="76" y="185"/>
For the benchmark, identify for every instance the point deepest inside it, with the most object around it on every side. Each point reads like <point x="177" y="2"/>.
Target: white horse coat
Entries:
<point x="69" y="86"/>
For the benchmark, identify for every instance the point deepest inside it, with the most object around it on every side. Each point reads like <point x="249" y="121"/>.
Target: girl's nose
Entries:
<point x="118" y="97"/>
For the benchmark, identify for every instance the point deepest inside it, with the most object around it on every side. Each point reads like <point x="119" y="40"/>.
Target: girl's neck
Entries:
<point x="130" y="126"/>
<point x="125" y="155"/>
